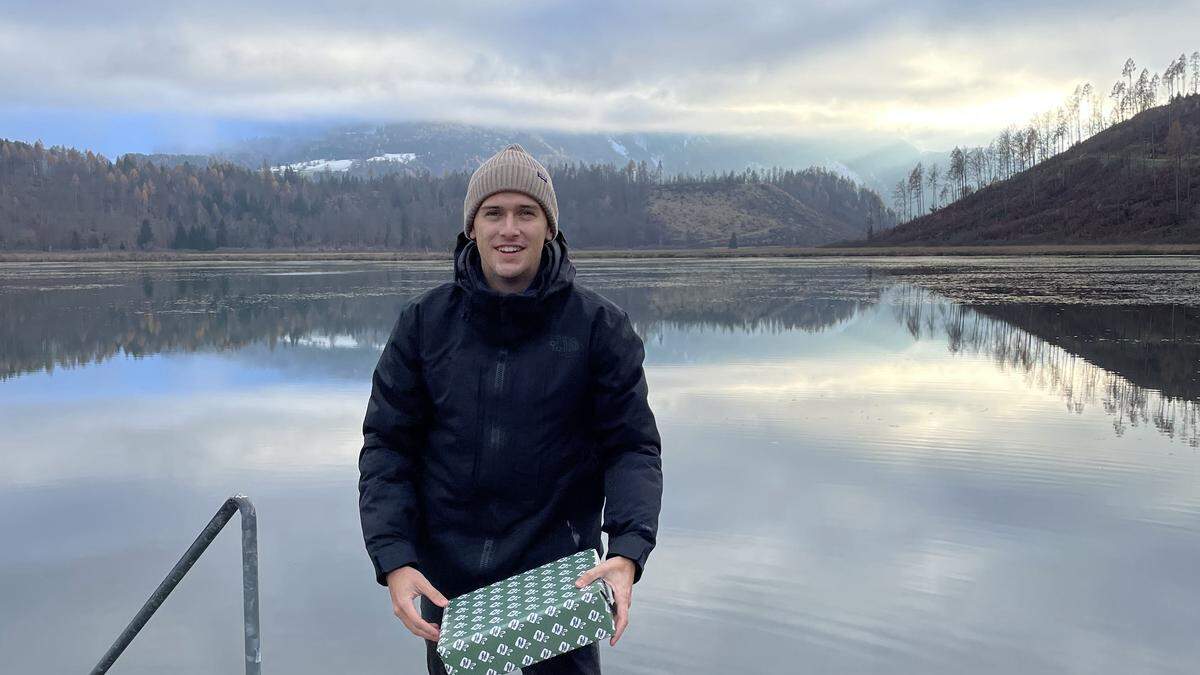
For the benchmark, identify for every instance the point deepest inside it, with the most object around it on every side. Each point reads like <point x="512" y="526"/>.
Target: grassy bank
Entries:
<point x="744" y="252"/>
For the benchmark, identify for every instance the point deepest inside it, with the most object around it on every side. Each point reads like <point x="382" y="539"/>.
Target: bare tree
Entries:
<point x="1096" y="123"/>
<point x="991" y="162"/>
<point x="1181" y="68"/>
<point x="1046" y="120"/>
<point x="1127" y="71"/>
<point x="900" y="198"/>
<point x="931" y="179"/>
<point x="915" y="182"/>
<point x="1118" y="97"/>
<point x="1172" y="74"/>
<point x="1004" y="152"/>
<point x="1196" y="72"/>
<point x="1018" y="150"/>
<point x="1141" y="90"/>
<point x="1029" y="150"/>
<point x="1081" y="93"/>
<point x="975" y="164"/>
<point x="1061" y="130"/>
<point x="958" y="170"/>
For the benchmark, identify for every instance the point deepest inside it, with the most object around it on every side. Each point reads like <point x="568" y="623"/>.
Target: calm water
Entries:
<point x="913" y="466"/>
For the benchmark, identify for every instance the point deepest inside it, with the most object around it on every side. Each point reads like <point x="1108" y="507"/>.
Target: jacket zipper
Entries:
<point x="491" y="436"/>
<point x="501" y="368"/>
<point x="495" y="439"/>
<point x="486" y="556"/>
<point x="494" y="435"/>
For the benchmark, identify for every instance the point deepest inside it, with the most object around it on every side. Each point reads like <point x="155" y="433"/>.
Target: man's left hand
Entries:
<point x="618" y="571"/>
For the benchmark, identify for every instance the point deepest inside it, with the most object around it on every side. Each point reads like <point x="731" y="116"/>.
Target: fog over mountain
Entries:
<point x="411" y="147"/>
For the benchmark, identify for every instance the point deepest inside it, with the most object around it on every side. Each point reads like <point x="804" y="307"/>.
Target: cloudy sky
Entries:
<point x="147" y="75"/>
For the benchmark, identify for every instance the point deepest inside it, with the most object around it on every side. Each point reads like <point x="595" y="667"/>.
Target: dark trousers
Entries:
<point x="582" y="661"/>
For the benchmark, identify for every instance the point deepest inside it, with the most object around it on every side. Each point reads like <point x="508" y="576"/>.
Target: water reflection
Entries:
<point x="1141" y="363"/>
<point x="55" y="317"/>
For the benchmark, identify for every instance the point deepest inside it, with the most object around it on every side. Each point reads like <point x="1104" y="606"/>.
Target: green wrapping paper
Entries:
<point x="526" y="618"/>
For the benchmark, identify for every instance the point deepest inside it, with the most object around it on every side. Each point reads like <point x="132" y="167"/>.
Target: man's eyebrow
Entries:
<point x="526" y="205"/>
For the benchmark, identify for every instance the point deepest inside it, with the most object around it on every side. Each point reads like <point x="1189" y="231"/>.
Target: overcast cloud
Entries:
<point x="936" y="73"/>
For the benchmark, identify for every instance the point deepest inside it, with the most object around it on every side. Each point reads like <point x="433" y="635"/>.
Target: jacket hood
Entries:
<point x="510" y="315"/>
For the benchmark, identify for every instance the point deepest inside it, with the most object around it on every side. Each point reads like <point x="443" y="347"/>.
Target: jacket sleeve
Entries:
<point x="628" y="439"/>
<point x="393" y="438"/>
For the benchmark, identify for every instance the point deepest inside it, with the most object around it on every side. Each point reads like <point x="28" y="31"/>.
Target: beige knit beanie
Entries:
<point x="511" y="169"/>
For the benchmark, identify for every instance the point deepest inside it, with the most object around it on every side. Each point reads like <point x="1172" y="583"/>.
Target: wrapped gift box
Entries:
<point x="526" y="618"/>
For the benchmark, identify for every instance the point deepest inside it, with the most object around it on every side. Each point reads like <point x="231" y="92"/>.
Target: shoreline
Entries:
<point x="743" y="252"/>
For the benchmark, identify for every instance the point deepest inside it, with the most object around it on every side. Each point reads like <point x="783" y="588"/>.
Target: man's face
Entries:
<point x="510" y="230"/>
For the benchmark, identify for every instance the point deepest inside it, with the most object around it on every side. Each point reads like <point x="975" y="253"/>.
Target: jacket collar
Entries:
<point x="511" y="316"/>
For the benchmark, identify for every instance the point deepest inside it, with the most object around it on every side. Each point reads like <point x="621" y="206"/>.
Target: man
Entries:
<point x="508" y="409"/>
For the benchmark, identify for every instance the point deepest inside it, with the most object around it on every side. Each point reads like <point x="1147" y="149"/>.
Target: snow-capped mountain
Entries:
<point x="440" y="147"/>
<point x="387" y="162"/>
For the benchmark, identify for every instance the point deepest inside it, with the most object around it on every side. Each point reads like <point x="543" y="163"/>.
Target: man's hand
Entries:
<point x="618" y="571"/>
<point x="406" y="583"/>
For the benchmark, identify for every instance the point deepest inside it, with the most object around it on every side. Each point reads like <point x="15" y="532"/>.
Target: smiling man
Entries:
<point x="510" y="255"/>
<point x="508" y="423"/>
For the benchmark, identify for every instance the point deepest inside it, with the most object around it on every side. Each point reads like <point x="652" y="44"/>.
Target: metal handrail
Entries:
<point x="239" y="503"/>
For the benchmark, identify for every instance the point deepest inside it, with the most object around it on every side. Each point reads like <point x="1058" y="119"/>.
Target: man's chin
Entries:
<point x="511" y="274"/>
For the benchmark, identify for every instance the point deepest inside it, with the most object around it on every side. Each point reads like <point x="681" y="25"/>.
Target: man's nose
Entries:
<point x="510" y="224"/>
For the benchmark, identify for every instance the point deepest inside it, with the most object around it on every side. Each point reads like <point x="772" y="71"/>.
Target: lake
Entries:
<point x="908" y="465"/>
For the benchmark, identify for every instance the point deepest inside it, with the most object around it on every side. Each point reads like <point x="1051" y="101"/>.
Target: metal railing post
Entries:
<point x="249" y="584"/>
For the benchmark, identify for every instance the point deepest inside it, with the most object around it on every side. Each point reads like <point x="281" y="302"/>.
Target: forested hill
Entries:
<point x="61" y="198"/>
<point x="1137" y="181"/>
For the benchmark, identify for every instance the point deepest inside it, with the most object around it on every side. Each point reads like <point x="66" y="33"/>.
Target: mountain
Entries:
<point x="1135" y="182"/>
<point x="441" y="147"/>
<point x="881" y="168"/>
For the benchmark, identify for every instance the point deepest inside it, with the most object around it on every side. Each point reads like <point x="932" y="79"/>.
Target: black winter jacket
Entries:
<point x="499" y="424"/>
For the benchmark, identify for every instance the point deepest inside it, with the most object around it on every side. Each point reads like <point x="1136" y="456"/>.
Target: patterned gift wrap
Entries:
<point x="526" y="618"/>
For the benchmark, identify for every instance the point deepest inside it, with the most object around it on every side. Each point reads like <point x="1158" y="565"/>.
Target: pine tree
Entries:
<point x="181" y="238"/>
<point x="145" y="235"/>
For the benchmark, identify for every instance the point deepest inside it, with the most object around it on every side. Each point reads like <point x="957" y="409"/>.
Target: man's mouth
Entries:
<point x="510" y="248"/>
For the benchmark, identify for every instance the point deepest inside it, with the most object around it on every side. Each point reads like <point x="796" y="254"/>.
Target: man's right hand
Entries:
<point x="406" y="583"/>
